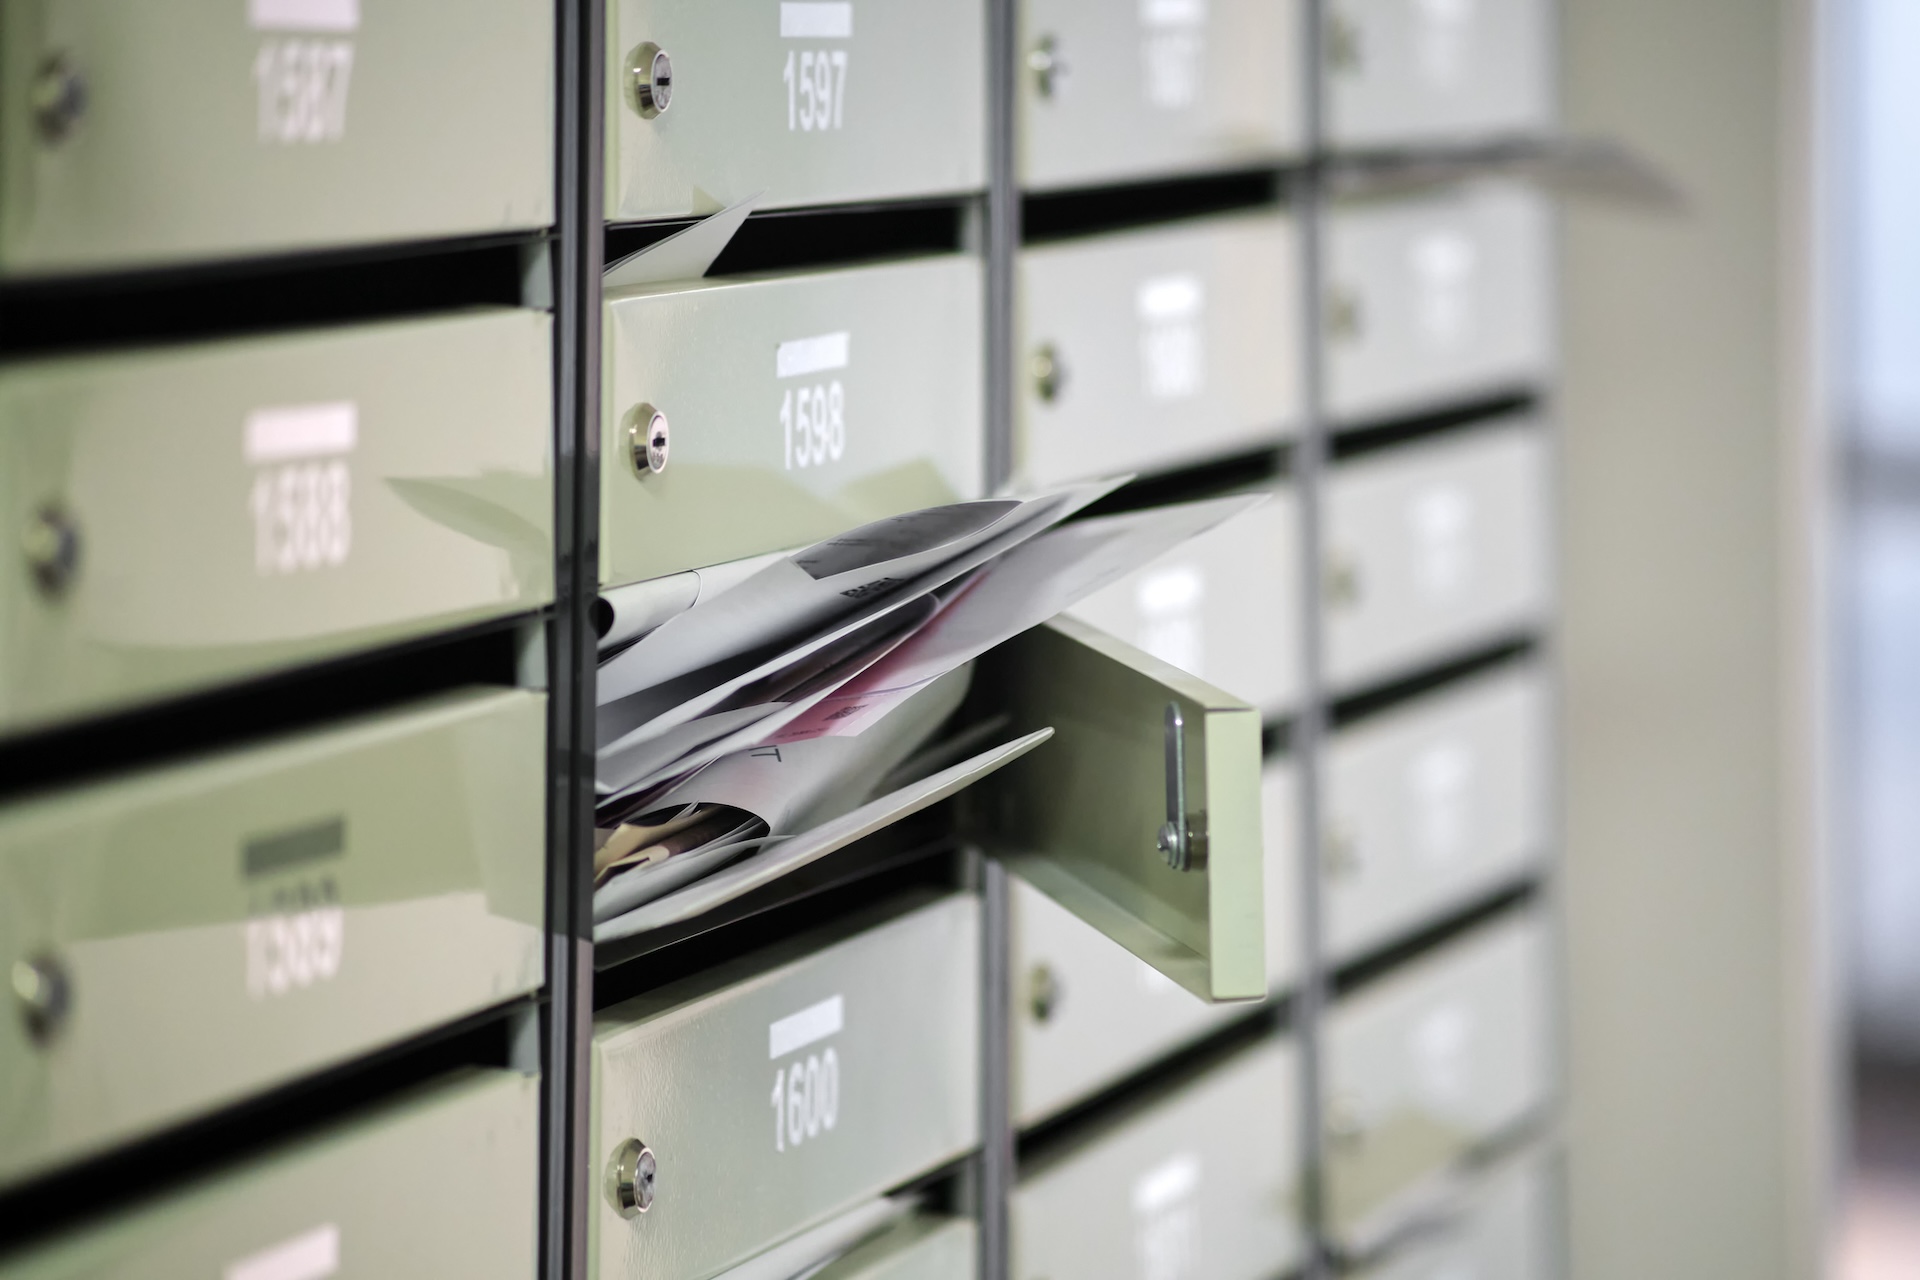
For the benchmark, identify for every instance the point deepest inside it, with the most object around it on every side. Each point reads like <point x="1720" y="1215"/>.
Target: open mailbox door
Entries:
<point x="1142" y="815"/>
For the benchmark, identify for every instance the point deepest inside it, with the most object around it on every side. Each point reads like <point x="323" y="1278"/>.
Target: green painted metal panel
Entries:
<point x="442" y="1183"/>
<point x="1080" y="817"/>
<point x="788" y="1087"/>
<point x="213" y="928"/>
<point x="198" y="129"/>
<point x="241" y="507"/>
<point x="799" y="406"/>
<point x="800" y="103"/>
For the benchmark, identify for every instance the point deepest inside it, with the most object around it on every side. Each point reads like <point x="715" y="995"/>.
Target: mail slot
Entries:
<point x="191" y="515"/>
<point x="1499" y="1228"/>
<point x="1115" y="91"/>
<point x="1222" y="606"/>
<point x="802" y="102"/>
<point x="1199" y="1183"/>
<point x="818" y="1074"/>
<point x="794" y="407"/>
<point x="1434" y="548"/>
<point x="1146" y="350"/>
<point x="1431" y="1063"/>
<point x="1142" y="814"/>
<point x="174" y="130"/>
<point x="447" y="1179"/>
<point x="1433" y="804"/>
<point x="1440" y="296"/>
<point x="187" y="936"/>
<point x="1086" y="1013"/>
<point x="1400" y="73"/>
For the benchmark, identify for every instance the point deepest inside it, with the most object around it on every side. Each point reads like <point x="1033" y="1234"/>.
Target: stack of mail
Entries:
<point x="790" y="713"/>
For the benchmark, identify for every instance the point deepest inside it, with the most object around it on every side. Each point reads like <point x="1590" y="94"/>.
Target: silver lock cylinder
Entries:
<point x="1043" y="993"/>
<point x="630" y="1178"/>
<point x="57" y="99"/>
<point x="1048" y="67"/>
<point x="1049" y="373"/>
<point x="51" y="543"/>
<point x="651" y="69"/>
<point x="648" y="438"/>
<point x="43" y="995"/>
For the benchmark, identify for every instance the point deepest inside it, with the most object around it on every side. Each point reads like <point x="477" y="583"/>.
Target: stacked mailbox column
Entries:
<point x="1082" y="985"/>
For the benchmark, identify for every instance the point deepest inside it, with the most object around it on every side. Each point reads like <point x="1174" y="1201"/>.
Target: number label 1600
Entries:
<point x="806" y="1099"/>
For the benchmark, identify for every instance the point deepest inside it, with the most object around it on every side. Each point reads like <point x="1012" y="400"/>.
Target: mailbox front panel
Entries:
<point x="200" y="514"/>
<point x="1431" y="1063"/>
<point x="1436" y="297"/>
<point x="1402" y="74"/>
<point x="803" y="102"/>
<point x="1221" y="606"/>
<point x="1199" y="1183"/>
<point x="817" y="1078"/>
<point x="136" y="135"/>
<point x="215" y="928"/>
<point x="1431" y="804"/>
<point x="798" y="407"/>
<point x="1432" y="549"/>
<point x="1145" y="350"/>
<point x="445" y="1182"/>
<point x="1115" y="91"/>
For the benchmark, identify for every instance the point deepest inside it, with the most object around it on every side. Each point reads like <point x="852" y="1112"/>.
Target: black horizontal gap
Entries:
<point x="166" y="1161"/>
<point x="1356" y="974"/>
<point x="916" y="852"/>
<point x="793" y="239"/>
<point x="1151" y="1084"/>
<point x="229" y="299"/>
<point x="253" y="709"/>
<point x="1252" y="469"/>
<point x="1358" y="706"/>
<point x="1276" y="738"/>
<point x="1055" y="215"/>
<point x="1354" y="439"/>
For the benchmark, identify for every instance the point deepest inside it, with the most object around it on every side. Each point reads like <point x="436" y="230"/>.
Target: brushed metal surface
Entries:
<point x="205" y="134"/>
<point x="769" y="99"/>
<point x="1432" y="548"/>
<point x="886" y="1008"/>
<point x="230" y="923"/>
<point x="1199" y="1183"/>
<point x="245" y="506"/>
<point x="1174" y="344"/>
<point x="442" y="1182"/>
<point x="897" y="367"/>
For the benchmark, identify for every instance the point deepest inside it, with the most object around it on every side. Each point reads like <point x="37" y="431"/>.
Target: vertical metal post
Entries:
<point x="578" y="250"/>
<point x="1002" y="241"/>
<point x="1310" y="723"/>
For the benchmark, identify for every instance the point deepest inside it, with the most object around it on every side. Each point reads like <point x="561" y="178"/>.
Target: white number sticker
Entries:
<point x="297" y="944"/>
<point x="301" y="85"/>
<point x="806" y="1099"/>
<point x="813" y="421"/>
<point x="816" y="81"/>
<point x="302" y="499"/>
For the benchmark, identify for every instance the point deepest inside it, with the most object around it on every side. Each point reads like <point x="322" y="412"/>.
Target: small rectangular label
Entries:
<point x="816" y="19"/>
<point x="286" y="432"/>
<point x="304" y="15"/>
<point x="312" y="1255"/>
<point x="798" y="1030"/>
<point x="1172" y="13"/>
<point x="811" y="355"/>
<point x="1167" y="1183"/>
<point x="1170" y="297"/>
<point x="263" y="855"/>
